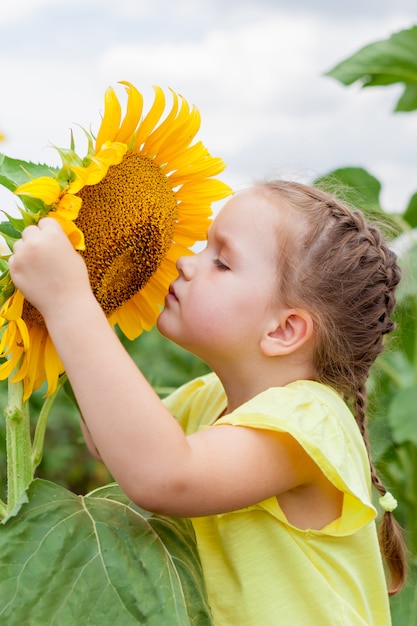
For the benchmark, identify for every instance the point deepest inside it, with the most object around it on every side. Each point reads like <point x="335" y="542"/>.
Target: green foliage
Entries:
<point x="99" y="560"/>
<point x="384" y="63"/>
<point x="393" y="381"/>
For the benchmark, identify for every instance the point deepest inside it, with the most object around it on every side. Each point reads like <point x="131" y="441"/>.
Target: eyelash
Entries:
<point x="221" y="266"/>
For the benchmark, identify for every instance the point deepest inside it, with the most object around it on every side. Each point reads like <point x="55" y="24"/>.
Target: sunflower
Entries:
<point x="137" y="202"/>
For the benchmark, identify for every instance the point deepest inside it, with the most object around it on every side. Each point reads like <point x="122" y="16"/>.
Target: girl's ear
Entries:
<point x="291" y="331"/>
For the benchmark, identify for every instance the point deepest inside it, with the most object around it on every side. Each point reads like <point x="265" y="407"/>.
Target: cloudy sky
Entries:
<point x="254" y="68"/>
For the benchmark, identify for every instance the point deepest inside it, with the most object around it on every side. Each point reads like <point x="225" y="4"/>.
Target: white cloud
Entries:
<point x="17" y="9"/>
<point x="254" y="71"/>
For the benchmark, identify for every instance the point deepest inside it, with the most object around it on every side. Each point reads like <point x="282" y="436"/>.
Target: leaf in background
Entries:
<point x="386" y="62"/>
<point x="410" y="214"/>
<point x="97" y="560"/>
<point x="360" y="189"/>
<point x="402" y="415"/>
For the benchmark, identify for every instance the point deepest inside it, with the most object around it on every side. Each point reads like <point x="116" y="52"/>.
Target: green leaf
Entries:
<point x="97" y="560"/>
<point x="386" y="62"/>
<point x="402" y="416"/>
<point x="14" y="172"/>
<point x="410" y="214"/>
<point x="360" y="189"/>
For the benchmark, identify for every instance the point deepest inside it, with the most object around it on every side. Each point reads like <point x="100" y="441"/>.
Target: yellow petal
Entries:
<point x="154" y="140"/>
<point x="152" y="118"/>
<point x="128" y="320"/>
<point x="133" y="113"/>
<point x="35" y="373"/>
<point x="90" y="175"/>
<point x="69" y="206"/>
<point x="45" y="188"/>
<point x="53" y="366"/>
<point x="111" y="120"/>
<point x="111" y="154"/>
<point x="178" y="159"/>
<point x="198" y="170"/>
<point x="8" y="366"/>
<point x="14" y="306"/>
<point x="24" y="334"/>
<point x="74" y="234"/>
<point x="211" y="191"/>
<point x="149" y="309"/>
<point x="180" y="138"/>
<point x="8" y="340"/>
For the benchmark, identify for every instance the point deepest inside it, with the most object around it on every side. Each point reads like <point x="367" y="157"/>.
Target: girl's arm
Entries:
<point x="216" y="470"/>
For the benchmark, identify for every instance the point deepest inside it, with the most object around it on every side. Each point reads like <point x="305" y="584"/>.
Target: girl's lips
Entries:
<point x="171" y="295"/>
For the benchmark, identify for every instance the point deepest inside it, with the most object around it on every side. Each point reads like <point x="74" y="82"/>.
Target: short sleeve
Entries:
<point x="198" y="403"/>
<point x="322" y="424"/>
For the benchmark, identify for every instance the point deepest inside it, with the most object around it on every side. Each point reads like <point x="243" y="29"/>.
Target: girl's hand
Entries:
<point x="47" y="269"/>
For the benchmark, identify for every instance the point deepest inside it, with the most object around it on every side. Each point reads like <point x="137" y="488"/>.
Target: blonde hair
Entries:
<point x="339" y="268"/>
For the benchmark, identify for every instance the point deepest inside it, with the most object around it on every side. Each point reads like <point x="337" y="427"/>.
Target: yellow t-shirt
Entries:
<point x="260" y="570"/>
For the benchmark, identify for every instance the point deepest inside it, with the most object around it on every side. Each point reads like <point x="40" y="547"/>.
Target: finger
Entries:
<point x="17" y="244"/>
<point x="27" y="233"/>
<point x="49" y="224"/>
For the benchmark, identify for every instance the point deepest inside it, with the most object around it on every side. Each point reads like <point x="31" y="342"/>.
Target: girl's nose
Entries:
<point x="185" y="266"/>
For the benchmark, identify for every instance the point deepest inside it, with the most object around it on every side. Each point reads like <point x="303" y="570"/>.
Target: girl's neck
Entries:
<point x="243" y="383"/>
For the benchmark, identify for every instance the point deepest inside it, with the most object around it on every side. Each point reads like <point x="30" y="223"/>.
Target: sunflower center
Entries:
<point x="128" y="220"/>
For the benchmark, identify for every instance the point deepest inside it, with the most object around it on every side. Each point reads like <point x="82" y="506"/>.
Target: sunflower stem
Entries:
<point x="39" y="437"/>
<point x="18" y="445"/>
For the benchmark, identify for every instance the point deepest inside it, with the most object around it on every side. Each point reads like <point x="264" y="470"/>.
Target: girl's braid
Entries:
<point x="346" y="276"/>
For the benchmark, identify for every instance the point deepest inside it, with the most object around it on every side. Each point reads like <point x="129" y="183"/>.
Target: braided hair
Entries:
<point x="338" y="266"/>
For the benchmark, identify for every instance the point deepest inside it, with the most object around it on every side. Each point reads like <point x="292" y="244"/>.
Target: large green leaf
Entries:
<point x="69" y="560"/>
<point x="386" y="62"/>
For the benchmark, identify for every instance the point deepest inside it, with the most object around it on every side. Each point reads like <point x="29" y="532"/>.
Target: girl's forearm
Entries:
<point x="135" y="435"/>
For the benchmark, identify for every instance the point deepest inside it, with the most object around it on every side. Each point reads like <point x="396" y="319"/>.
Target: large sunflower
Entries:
<point x="139" y="200"/>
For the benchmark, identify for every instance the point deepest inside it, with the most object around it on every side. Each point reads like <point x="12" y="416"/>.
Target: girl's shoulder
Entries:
<point x="303" y="404"/>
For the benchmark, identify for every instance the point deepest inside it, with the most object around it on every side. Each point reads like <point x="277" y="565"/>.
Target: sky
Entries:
<point x="254" y="68"/>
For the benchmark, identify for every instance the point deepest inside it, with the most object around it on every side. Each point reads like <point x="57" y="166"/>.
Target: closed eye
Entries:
<point x="220" y="265"/>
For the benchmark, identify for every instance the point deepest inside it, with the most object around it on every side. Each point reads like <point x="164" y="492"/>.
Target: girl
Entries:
<point x="288" y="304"/>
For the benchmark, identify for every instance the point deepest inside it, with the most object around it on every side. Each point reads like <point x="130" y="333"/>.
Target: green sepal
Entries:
<point x="69" y="157"/>
<point x="65" y="176"/>
<point x="35" y="205"/>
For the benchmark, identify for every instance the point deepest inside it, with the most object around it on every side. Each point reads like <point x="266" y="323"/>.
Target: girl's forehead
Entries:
<point x="246" y="222"/>
<point x="244" y="205"/>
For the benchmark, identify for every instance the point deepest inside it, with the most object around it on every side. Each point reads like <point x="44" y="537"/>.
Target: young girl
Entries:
<point x="288" y="304"/>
